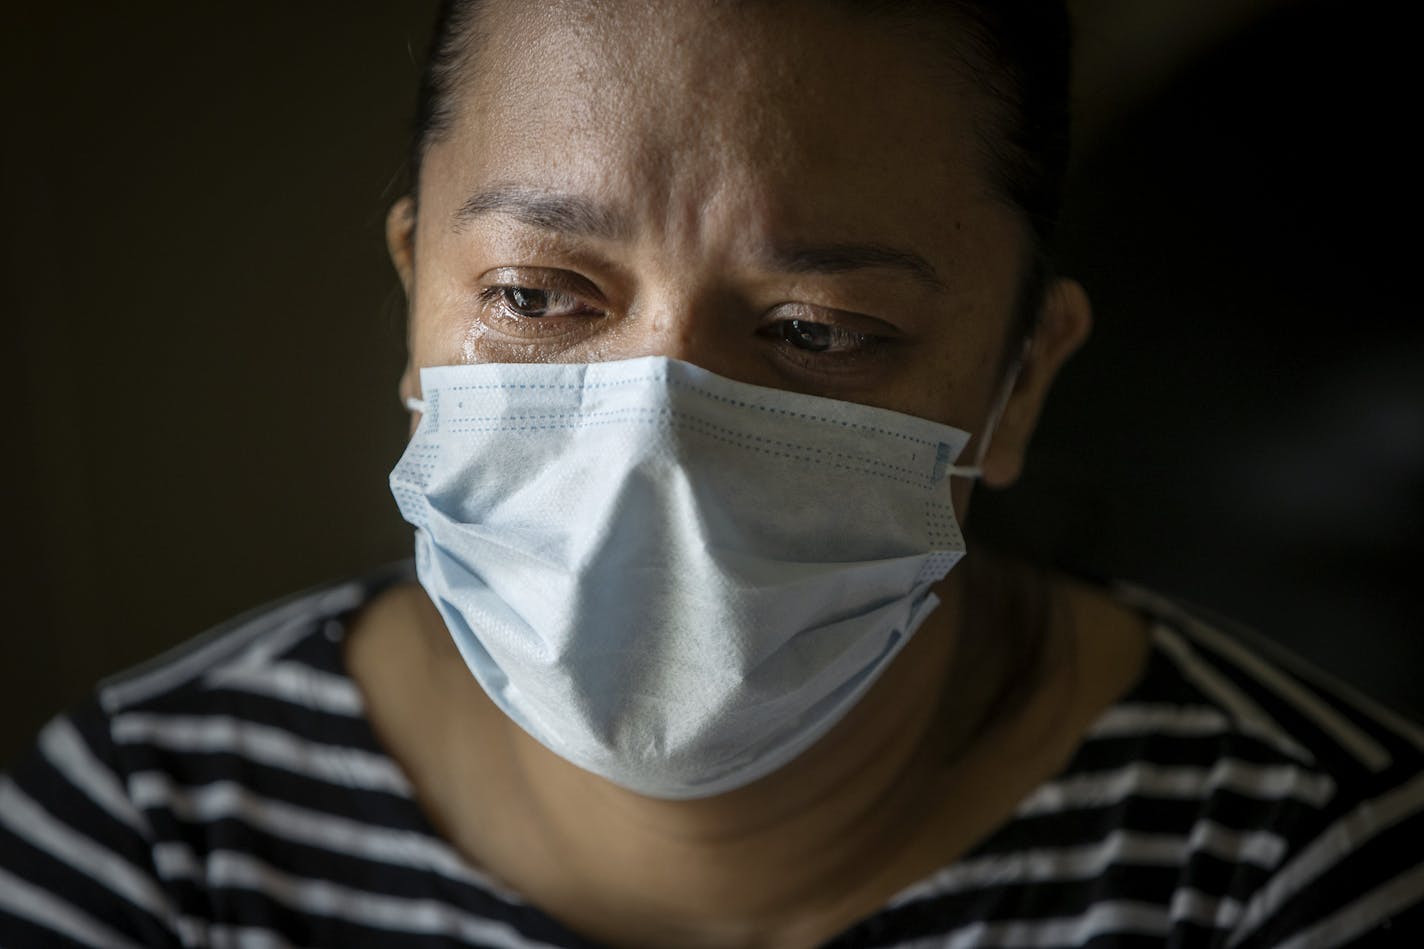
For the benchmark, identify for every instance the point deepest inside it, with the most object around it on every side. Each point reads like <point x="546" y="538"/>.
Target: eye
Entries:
<point x="534" y="303"/>
<point x="803" y="334"/>
<point x="812" y="337"/>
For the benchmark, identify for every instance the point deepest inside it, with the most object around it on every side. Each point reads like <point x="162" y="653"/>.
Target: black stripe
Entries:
<point x="312" y="861"/>
<point x="257" y="908"/>
<point x="45" y="785"/>
<point x="301" y="721"/>
<point x="20" y="933"/>
<point x="1331" y="756"/>
<point x="1199" y="751"/>
<point x="195" y="770"/>
<point x="1169" y="816"/>
<point x="38" y="867"/>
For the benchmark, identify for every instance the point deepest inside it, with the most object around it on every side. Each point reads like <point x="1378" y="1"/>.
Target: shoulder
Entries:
<point x="231" y="790"/>
<point x="272" y="637"/>
<point x="262" y="697"/>
<point x="1257" y="699"/>
<point x="1232" y="796"/>
<point x="1323" y="787"/>
<point x="80" y="816"/>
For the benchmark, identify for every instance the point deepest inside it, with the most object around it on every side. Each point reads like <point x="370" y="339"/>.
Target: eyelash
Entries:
<point x="500" y="296"/>
<point x="842" y="345"/>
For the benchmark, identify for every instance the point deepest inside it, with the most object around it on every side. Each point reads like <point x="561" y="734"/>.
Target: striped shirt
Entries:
<point x="234" y="794"/>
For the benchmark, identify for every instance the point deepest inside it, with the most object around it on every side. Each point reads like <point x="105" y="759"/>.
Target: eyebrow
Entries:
<point x="836" y="258"/>
<point x="579" y="217"/>
<point x="548" y="210"/>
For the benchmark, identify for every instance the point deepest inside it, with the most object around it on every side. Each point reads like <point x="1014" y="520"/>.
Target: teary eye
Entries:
<point x="811" y="337"/>
<point x="803" y="334"/>
<point x="535" y="303"/>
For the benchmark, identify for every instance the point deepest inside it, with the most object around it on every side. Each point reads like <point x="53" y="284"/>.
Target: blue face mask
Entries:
<point x="673" y="580"/>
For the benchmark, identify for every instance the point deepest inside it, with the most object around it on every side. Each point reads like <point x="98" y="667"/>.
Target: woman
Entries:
<point x="716" y="313"/>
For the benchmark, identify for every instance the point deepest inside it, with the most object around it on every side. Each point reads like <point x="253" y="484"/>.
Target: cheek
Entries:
<point x="441" y="333"/>
<point x="434" y="341"/>
<point x="957" y="378"/>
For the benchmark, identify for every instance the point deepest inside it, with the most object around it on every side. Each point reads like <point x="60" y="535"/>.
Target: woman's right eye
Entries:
<point x="534" y="303"/>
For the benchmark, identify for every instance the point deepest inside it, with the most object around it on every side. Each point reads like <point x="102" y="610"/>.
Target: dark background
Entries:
<point x="203" y="333"/>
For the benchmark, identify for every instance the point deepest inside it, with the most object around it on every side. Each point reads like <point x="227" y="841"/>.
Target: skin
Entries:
<point x="708" y="137"/>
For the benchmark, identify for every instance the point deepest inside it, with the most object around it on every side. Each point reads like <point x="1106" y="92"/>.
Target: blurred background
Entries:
<point x="204" y="334"/>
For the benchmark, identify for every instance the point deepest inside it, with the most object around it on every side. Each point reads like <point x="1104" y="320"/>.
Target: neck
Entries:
<point x="788" y="852"/>
<point x="926" y="764"/>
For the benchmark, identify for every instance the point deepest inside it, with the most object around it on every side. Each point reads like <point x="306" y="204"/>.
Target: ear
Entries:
<point x="400" y="240"/>
<point x="1064" y="324"/>
<point x="400" y="243"/>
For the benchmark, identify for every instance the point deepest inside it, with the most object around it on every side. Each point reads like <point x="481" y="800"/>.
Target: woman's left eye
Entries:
<point x="812" y="337"/>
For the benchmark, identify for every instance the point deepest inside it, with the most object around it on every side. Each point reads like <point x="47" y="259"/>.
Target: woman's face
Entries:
<point x="787" y="198"/>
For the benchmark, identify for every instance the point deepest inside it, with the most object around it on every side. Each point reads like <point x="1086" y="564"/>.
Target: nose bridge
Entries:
<point x="685" y="325"/>
<point x="688" y="303"/>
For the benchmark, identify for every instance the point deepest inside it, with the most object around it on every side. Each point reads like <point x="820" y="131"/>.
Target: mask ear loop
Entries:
<point x="996" y="412"/>
<point x="413" y="404"/>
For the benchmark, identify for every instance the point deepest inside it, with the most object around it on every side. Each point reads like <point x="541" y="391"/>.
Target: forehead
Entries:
<point x="804" y="113"/>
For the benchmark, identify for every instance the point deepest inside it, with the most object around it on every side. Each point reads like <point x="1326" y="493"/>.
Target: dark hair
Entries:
<point x="1019" y="53"/>
<point x="1016" y="52"/>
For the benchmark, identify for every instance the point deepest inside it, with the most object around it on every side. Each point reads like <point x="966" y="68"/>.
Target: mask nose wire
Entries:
<point x="975" y="470"/>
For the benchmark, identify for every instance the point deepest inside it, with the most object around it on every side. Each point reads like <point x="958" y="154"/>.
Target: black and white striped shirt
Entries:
<point x="233" y="794"/>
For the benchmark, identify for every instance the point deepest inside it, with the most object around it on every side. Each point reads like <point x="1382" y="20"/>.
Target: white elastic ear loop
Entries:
<point x="413" y="404"/>
<point x="996" y="411"/>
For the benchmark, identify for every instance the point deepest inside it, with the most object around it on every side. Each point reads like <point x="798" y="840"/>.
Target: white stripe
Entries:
<point x="195" y="657"/>
<point x="1363" y="915"/>
<point x="245" y="937"/>
<point x="63" y="747"/>
<point x="1351" y="738"/>
<point x="224" y="799"/>
<point x="1401" y="726"/>
<point x="1105" y="788"/>
<point x="1259" y="847"/>
<point x="292" y="682"/>
<point x="1275" y="652"/>
<point x="1115" y="917"/>
<point x="1085" y="862"/>
<point x="1337" y="842"/>
<point x="1194" y="906"/>
<point x="192" y="931"/>
<point x="1404" y="728"/>
<point x="1132" y="719"/>
<point x="1249" y="716"/>
<point x="32" y="823"/>
<point x="214" y="734"/>
<point x="226" y="869"/>
<point x="43" y="908"/>
<point x="190" y="659"/>
<point x="264" y="650"/>
<point x="174" y="860"/>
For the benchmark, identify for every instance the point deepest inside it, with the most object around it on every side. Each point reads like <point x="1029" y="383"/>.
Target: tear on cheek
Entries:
<point x="473" y="344"/>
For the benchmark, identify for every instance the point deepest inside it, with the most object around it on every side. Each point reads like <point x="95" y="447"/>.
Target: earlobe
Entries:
<point x="400" y="240"/>
<point x="1064" y="325"/>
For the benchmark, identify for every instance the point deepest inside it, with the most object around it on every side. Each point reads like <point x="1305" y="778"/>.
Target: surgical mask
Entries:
<point x="676" y="581"/>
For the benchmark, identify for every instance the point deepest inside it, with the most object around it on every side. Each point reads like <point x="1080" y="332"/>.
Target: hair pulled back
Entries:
<point x="1015" y="53"/>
